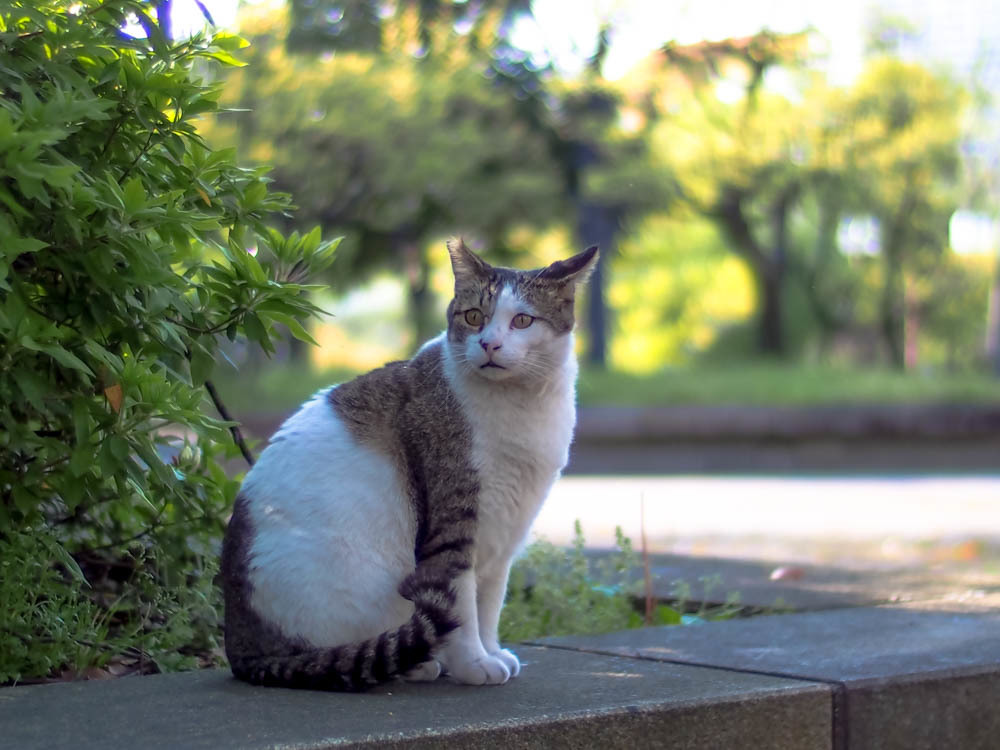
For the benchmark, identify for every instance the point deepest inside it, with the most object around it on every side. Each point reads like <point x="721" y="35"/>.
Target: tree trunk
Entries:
<point x="420" y="299"/>
<point x="911" y="328"/>
<point x="597" y="225"/>
<point x="597" y="318"/>
<point x="891" y="309"/>
<point x="770" y="328"/>
<point x="893" y="301"/>
<point x="993" y="321"/>
<point x="771" y="334"/>
<point x="823" y="309"/>
<point x="769" y="269"/>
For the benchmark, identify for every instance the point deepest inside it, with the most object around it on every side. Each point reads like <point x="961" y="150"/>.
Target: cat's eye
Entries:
<point x="474" y="317"/>
<point x="522" y="320"/>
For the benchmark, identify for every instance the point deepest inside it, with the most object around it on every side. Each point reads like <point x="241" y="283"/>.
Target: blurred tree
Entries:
<point x="609" y="175"/>
<point x="744" y="162"/>
<point x="396" y="148"/>
<point x="895" y="135"/>
<point x="675" y="288"/>
<point x="949" y="296"/>
<point x="778" y="176"/>
<point x="365" y="25"/>
<point x="473" y="135"/>
<point x="981" y="189"/>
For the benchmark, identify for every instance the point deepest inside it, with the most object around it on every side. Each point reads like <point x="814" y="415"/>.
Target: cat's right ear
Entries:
<point x="468" y="267"/>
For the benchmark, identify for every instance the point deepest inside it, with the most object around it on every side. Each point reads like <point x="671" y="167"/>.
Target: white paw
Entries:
<point x="482" y="670"/>
<point x="509" y="658"/>
<point x="426" y="672"/>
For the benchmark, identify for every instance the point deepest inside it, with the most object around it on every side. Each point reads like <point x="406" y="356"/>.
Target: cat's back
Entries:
<point x="341" y="427"/>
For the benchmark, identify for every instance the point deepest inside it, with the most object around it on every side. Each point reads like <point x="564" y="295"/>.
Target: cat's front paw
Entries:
<point x="483" y="670"/>
<point x="510" y="660"/>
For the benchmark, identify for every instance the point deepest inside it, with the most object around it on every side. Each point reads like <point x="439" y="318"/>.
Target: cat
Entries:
<point x="374" y="536"/>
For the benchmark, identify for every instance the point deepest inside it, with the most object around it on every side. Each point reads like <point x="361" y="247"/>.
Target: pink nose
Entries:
<point x="487" y="346"/>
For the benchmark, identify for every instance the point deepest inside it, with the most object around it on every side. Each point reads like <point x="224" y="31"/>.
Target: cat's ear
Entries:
<point x="573" y="271"/>
<point x="465" y="264"/>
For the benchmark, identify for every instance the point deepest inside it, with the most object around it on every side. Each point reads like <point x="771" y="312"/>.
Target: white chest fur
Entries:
<point x="521" y="439"/>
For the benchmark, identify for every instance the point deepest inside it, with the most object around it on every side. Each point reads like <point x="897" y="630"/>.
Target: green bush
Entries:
<point x="128" y="248"/>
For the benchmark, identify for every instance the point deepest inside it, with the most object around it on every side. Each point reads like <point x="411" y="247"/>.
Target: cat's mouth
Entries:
<point x="491" y="363"/>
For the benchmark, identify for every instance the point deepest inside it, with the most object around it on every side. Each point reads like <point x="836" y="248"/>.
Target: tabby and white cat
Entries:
<point x="374" y="535"/>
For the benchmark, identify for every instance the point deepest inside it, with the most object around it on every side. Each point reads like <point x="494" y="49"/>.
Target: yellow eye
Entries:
<point x="474" y="317"/>
<point x="522" y="320"/>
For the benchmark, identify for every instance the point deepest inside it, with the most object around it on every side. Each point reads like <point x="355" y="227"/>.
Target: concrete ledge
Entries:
<point x="562" y="699"/>
<point x="671" y="439"/>
<point x="903" y="677"/>
<point x="874" y="677"/>
<point x="924" y="674"/>
<point x="842" y="422"/>
<point x="769" y="456"/>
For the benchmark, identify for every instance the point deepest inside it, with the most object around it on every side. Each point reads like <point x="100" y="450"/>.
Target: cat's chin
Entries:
<point x="495" y="373"/>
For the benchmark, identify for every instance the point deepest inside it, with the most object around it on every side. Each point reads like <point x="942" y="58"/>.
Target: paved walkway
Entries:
<point x="844" y="521"/>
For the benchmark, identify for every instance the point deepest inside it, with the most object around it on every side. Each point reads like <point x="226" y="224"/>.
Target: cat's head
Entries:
<point x="505" y="324"/>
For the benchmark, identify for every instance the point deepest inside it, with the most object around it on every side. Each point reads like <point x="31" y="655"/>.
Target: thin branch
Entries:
<point x="234" y="429"/>
<point x="646" y="574"/>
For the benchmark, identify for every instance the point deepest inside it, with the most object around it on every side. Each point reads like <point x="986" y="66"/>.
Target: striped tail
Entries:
<point x="358" y="666"/>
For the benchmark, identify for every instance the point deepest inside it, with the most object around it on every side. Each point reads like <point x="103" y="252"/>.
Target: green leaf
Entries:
<point x="15" y="246"/>
<point x="665" y="615"/>
<point x="294" y="327"/>
<point x="33" y="386"/>
<point x="81" y="460"/>
<point x="134" y="196"/>
<point x="24" y="500"/>
<point x="202" y="364"/>
<point x="71" y="565"/>
<point x="226" y="59"/>
<point x="255" y="330"/>
<point x="119" y="447"/>
<point x="229" y="42"/>
<point x="66" y="358"/>
<point x="81" y="421"/>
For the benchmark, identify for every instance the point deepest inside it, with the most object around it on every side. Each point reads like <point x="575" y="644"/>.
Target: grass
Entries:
<point x="281" y="387"/>
<point x="784" y="385"/>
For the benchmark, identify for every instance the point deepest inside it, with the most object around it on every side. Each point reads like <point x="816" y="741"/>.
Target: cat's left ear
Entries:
<point x="573" y="271"/>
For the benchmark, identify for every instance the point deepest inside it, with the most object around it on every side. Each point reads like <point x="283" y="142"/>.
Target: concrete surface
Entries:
<point x="734" y="421"/>
<point x="767" y="586"/>
<point x="562" y="699"/>
<point x="856" y="521"/>
<point x="686" y="439"/>
<point x="903" y="677"/>
<point x="673" y="439"/>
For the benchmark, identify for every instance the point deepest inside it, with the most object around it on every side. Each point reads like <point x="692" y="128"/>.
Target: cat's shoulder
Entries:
<point x="396" y="387"/>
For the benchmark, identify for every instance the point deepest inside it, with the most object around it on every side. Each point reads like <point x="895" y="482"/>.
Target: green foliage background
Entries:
<point x="128" y="248"/>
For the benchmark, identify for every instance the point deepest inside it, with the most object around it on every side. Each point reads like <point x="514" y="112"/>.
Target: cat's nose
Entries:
<point x="487" y="346"/>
